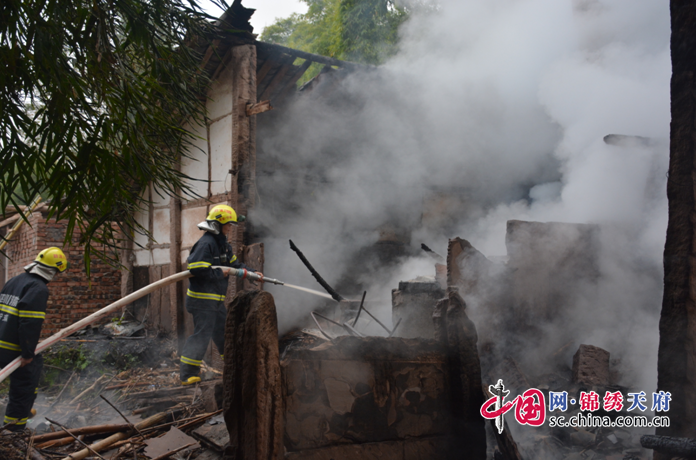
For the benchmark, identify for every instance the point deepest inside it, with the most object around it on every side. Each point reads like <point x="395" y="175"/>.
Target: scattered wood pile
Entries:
<point x="136" y="414"/>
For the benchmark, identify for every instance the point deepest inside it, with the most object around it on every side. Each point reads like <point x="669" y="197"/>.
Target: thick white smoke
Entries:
<point x="504" y="103"/>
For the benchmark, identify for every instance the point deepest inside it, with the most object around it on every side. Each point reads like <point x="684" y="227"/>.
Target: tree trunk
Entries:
<point x="677" y="352"/>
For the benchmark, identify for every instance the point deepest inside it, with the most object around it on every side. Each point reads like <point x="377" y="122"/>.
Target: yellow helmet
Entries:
<point x="223" y="214"/>
<point x="53" y="257"/>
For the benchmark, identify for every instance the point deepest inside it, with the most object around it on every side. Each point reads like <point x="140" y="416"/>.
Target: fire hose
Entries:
<point x="238" y="272"/>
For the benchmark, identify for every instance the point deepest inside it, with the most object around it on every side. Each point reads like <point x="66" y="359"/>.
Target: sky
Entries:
<point x="266" y="11"/>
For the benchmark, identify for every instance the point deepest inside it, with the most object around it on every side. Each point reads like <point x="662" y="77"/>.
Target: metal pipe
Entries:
<point x="319" y="326"/>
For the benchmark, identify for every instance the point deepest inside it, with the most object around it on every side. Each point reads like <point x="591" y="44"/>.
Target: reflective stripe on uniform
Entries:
<point x="7" y="309"/>
<point x="191" y="362"/>
<point x="233" y="258"/>
<point x="10" y="346"/>
<point x="22" y="313"/>
<point x="204" y="295"/>
<point x="16" y="421"/>
<point x="32" y="314"/>
<point x="200" y="264"/>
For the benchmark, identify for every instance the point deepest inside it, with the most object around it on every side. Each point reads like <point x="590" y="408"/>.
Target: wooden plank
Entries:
<point x="267" y="65"/>
<point x="272" y="48"/>
<point x="176" y="297"/>
<point x="243" y="140"/>
<point x="253" y="257"/>
<point x="225" y="62"/>
<point x="275" y="81"/>
<point x="278" y="65"/>
<point x="290" y="87"/>
<point x="259" y="107"/>
<point x="260" y="62"/>
<point x="165" y="305"/>
<point x="252" y="391"/>
<point x="209" y="53"/>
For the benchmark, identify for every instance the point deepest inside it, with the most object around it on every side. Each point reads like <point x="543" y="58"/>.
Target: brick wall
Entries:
<point x="72" y="295"/>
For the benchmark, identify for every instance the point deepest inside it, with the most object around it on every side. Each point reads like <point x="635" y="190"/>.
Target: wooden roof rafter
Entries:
<point x="277" y="75"/>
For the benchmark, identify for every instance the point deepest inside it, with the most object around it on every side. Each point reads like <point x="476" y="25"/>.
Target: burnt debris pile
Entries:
<point x="537" y="312"/>
<point x="100" y="411"/>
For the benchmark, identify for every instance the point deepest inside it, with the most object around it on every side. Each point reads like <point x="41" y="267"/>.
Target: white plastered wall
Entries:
<point x="208" y="166"/>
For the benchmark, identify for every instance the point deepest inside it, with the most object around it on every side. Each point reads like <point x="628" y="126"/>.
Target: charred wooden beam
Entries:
<point x="277" y="80"/>
<point x="362" y="302"/>
<point x="437" y="257"/>
<point x="336" y="296"/>
<point x="209" y="53"/>
<point x="290" y="86"/>
<point x="279" y="64"/>
<point x="674" y="447"/>
<point x="506" y="444"/>
<point x="252" y="393"/>
<point x="272" y="48"/>
<point x="675" y="357"/>
<point x="259" y="107"/>
<point x="265" y="68"/>
<point x="457" y="332"/>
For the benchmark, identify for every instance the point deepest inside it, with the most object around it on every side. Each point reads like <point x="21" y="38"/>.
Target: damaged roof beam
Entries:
<point x="272" y="48"/>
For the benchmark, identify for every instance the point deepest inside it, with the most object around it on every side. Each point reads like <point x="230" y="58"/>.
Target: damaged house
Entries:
<point x="325" y="388"/>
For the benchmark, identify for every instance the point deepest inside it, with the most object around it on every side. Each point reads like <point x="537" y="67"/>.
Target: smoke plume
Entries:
<point x="492" y="110"/>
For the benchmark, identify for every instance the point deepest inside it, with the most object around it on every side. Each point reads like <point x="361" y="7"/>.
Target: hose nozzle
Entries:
<point x="243" y="273"/>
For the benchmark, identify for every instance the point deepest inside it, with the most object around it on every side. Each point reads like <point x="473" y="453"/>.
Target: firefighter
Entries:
<point x="22" y="312"/>
<point x="207" y="289"/>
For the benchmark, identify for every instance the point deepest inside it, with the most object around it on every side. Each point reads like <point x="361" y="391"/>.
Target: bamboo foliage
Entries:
<point x="93" y="95"/>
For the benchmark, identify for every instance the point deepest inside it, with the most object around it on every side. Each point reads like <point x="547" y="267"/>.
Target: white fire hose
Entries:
<point x="238" y="272"/>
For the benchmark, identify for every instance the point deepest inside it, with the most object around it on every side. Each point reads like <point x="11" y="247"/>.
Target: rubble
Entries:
<point x="392" y="397"/>
<point x="103" y="409"/>
<point x="413" y="303"/>
<point x="591" y="366"/>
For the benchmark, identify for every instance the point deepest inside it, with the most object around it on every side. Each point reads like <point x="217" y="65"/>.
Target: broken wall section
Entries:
<point x="394" y="398"/>
<point x="551" y="267"/>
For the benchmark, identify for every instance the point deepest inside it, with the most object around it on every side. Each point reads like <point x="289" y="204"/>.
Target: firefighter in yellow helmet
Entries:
<point x="207" y="289"/>
<point x="22" y="311"/>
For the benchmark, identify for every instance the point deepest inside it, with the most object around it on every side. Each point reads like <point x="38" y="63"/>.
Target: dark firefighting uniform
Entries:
<point x="22" y="312"/>
<point x="205" y="299"/>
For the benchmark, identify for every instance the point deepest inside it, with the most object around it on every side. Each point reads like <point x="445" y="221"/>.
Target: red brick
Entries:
<point x="72" y="296"/>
